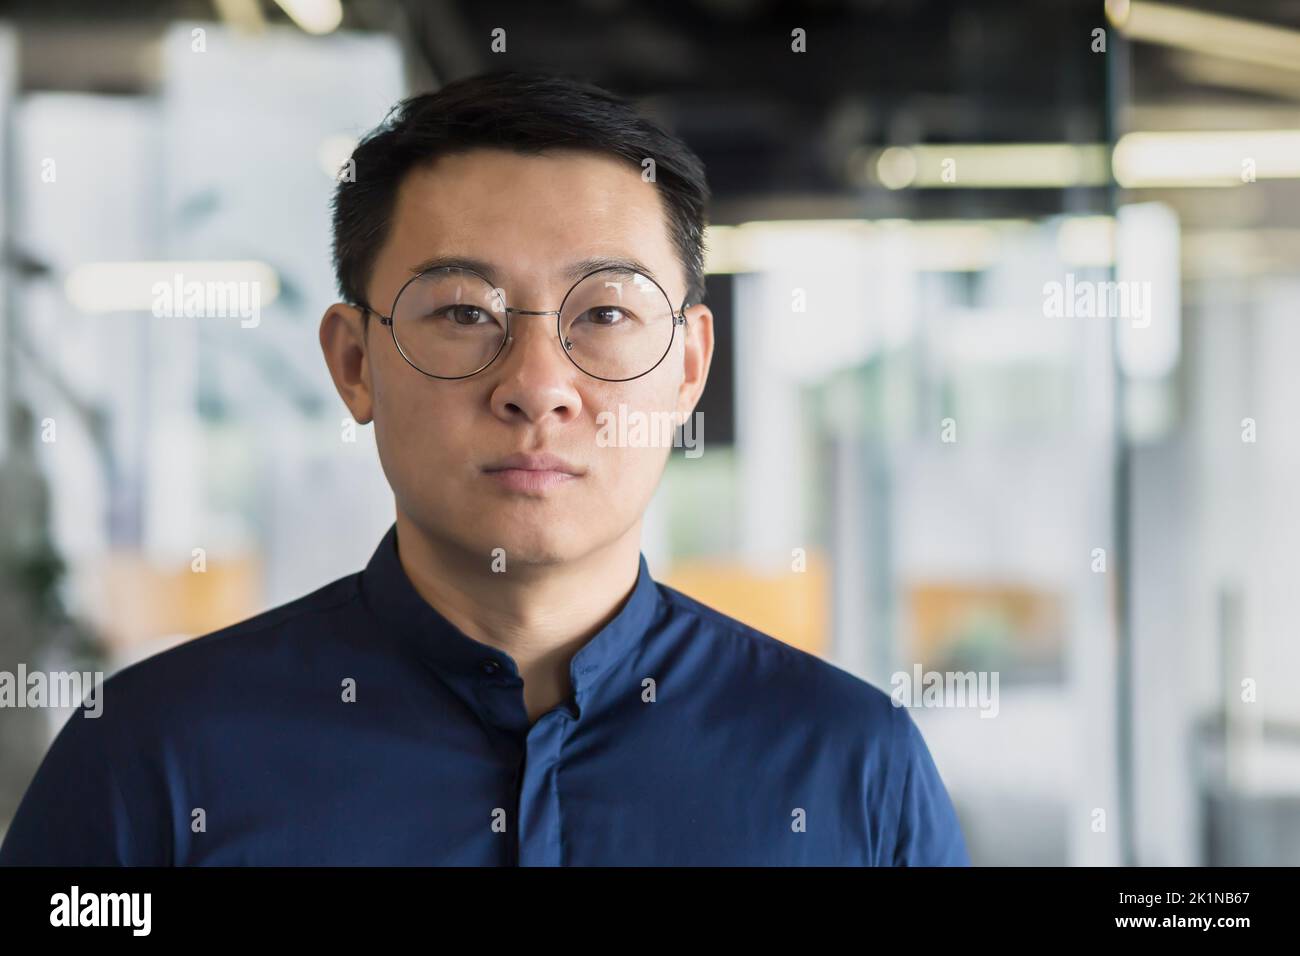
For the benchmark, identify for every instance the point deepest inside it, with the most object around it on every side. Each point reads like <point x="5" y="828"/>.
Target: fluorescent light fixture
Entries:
<point x="1204" y="70"/>
<point x="99" y="287"/>
<point x="940" y="245"/>
<point x="1230" y="38"/>
<point x="1140" y="160"/>
<point x="991" y="166"/>
<point x="245" y="15"/>
<point x="721" y="251"/>
<point x="749" y="246"/>
<point x="896" y="167"/>
<point x="314" y="16"/>
<point x="1218" y="158"/>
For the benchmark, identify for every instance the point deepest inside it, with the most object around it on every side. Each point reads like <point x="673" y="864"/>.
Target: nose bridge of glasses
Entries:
<point x="522" y="347"/>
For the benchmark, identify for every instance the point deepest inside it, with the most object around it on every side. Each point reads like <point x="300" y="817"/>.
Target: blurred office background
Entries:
<point x="950" y="472"/>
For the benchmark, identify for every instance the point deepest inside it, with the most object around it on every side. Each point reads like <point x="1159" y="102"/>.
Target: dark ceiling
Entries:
<point x="768" y="122"/>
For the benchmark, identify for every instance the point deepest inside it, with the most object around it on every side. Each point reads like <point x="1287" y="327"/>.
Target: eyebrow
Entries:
<point x="573" y="272"/>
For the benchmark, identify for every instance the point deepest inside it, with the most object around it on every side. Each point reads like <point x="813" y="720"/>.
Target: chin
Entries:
<point x="533" y="542"/>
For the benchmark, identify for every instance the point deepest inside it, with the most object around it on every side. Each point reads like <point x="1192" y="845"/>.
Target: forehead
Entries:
<point x="530" y="217"/>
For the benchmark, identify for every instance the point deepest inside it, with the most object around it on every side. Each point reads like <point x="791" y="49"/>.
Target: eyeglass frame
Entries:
<point x="678" y="317"/>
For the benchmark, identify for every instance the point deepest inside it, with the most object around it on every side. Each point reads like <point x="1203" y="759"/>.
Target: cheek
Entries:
<point x="632" y="466"/>
<point x="416" y="428"/>
<point x="656" y="392"/>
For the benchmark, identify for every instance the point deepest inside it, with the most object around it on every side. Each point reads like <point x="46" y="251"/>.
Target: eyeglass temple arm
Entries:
<point x="365" y="309"/>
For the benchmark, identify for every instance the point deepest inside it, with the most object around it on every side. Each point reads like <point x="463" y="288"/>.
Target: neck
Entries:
<point x="539" y="614"/>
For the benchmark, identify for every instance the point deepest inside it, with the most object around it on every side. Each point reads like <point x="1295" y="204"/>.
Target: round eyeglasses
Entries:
<point x="614" y="324"/>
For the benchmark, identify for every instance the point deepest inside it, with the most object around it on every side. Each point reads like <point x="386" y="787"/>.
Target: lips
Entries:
<point x="532" y="474"/>
<point x="539" y="462"/>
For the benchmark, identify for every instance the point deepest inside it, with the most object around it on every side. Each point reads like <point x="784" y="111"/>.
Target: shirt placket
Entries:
<point x="539" y="797"/>
<point x="537" y="819"/>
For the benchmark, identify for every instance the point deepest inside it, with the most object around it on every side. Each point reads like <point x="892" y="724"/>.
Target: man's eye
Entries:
<point x="605" y="315"/>
<point x="464" y="314"/>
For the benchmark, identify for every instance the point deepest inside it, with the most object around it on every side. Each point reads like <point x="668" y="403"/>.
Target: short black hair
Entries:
<point x="524" y="112"/>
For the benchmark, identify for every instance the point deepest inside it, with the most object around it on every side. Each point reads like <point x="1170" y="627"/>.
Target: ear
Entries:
<point x="698" y="356"/>
<point x="343" y="339"/>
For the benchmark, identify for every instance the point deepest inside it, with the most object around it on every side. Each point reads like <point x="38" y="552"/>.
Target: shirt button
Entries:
<point x="490" y="667"/>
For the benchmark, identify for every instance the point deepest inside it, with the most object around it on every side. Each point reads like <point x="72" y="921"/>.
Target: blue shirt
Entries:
<point x="689" y="739"/>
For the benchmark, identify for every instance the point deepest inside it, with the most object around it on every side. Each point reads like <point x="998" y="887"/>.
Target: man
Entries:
<point x="504" y="683"/>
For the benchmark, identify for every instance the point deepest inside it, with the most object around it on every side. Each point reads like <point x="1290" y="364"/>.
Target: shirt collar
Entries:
<point x="467" y="665"/>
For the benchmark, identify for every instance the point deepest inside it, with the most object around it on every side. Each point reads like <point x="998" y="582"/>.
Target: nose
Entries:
<point x="534" y="377"/>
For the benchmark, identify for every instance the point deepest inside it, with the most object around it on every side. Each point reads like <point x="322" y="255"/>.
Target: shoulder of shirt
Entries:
<point x="209" y="658"/>
<point x="773" y="663"/>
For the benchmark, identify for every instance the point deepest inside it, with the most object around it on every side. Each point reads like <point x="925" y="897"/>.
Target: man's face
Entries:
<point x="530" y="218"/>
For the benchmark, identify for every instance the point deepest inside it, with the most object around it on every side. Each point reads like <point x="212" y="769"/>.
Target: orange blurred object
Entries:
<point x="792" y="606"/>
<point x="139" y="602"/>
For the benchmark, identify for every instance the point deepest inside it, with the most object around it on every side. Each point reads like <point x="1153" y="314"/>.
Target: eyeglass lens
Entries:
<point x="615" y="324"/>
